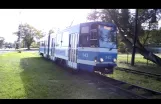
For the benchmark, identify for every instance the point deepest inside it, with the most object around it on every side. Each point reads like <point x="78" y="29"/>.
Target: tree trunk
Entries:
<point x="147" y="54"/>
<point x="142" y="50"/>
<point x="28" y="46"/>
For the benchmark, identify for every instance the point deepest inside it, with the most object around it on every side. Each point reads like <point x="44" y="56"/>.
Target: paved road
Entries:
<point x="6" y="50"/>
<point x="12" y="50"/>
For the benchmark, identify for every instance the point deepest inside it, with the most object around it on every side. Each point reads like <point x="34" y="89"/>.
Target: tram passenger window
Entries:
<point x="46" y="44"/>
<point x="58" y="43"/>
<point x="84" y="37"/>
<point x="85" y="29"/>
<point x="84" y="40"/>
<point x="42" y="43"/>
<point x="52" y="43"/>
<point x="65" y="39"/>
<point x="93" y="38"/>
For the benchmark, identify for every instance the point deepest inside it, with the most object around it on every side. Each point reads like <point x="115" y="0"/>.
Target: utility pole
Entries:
<point x="135" y="36"/>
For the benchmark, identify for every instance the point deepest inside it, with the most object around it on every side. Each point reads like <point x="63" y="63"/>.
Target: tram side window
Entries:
<point x="84" y="40"/>
<point x="58" y="40"/>
<point x="46" y="43"/>
<point x="94" y="38"/>
<point x="65" y="39"/>
<point x="42" y="43"/>
<point x="84" y="37"/>
<point x="52" y="42"/>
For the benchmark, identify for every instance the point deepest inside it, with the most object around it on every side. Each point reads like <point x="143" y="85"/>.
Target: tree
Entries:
<point x="51" y="31"/>
<point x="94" y="15"/>
<point x="1" y="41"/>
<point x="125" y="24"/>
<point x="121" y="47"/>
<point x="152" y="37"/>
<point x="28" y="33"/>
<point x="156" y="37"/>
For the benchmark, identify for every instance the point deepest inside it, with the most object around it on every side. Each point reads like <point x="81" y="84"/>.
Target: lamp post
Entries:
<point x="135" y="36"/>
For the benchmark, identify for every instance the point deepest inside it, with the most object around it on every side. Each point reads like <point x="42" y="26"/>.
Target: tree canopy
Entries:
<point x="1" y="41"/>
<point x="28" y="33"/>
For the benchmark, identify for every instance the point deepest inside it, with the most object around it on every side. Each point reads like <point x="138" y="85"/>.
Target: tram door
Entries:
<point x="72" y="59"/>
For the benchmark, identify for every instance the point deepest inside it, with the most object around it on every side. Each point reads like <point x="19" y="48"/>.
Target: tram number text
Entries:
<point x="108" y="57"/>
<point x="85" y="54"/>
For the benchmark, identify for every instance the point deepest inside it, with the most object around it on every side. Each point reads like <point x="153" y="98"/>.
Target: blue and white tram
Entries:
<point x="90" y="46"/>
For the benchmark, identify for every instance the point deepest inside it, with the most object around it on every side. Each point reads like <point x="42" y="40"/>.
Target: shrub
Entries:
<point x="122" y="47"/>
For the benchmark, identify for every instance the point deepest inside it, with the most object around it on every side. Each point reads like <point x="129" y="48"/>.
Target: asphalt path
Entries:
<point x="2" y="51"/>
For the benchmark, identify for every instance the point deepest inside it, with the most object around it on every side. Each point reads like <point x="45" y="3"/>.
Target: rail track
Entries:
<point x="122" y="88"/>
<point x="152" y="75"/>
<point x="133" y="90"/>
<point x="130" y="91"/>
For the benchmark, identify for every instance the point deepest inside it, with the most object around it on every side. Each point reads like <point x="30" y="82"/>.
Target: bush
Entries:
<point x="121" y="47"/>
<point x="19" y="50"/>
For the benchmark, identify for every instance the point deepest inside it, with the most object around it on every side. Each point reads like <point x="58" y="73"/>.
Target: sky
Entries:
<point x="42" y="19"/>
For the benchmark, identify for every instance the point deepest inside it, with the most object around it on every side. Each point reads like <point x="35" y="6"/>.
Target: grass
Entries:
<point x="140" y="64"/>
<point x="140" y="80"/>
<point x="135" y="79"/>
<point x="26" y="75"/>
<point x="139" y="59"/>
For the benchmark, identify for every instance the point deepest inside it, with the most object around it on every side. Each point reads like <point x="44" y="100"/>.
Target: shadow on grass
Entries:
<point x="43" y="79"/>
<point x="39" y="77"/>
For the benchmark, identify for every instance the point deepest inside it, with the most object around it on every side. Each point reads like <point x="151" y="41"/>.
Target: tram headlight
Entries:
<point x="95" y="59"/>
<point x="101" y="59"/>
<point x="114" y="60"/>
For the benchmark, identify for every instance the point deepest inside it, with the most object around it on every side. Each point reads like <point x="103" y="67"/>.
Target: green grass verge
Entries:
<point x="135" y="79"/>
<point x="140" y="64"/>
<point x="27" y="75"/>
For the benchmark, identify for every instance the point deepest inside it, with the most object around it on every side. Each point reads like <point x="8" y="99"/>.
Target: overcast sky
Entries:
<point x="42" y="19"/>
